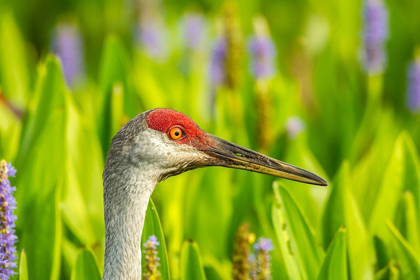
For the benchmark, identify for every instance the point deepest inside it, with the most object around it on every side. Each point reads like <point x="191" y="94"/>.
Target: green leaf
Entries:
<point x="389" y="272"/>
<point x="283" y="239"/>
<point x="48" y="97"/>
<point x="152" y="227"/>
<point x="335" y="262"/>
<point x="402" y="174"/>
<point x="114" y="70"/>
<point x="86" y="267"/>
<point x="341" y="209"/>
<point x="303" y="247"/>
<point x="14" y="74"/>
<point x="86" y="220"/>
<point x="208" y="206"/>
<point x="43" y="236"/>
<point x="368" y="173"/>
<point x="406" y="220"/>
<point x="191" y="263"/>
<point x="23" y="266"/>
<point x="311" y="199"/>
<point x="407" y="258"/>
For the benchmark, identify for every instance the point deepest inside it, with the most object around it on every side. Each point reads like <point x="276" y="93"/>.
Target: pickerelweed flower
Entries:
<point x="241" y="253"/>
<point x="151" y="267"/>
<point x="68" y="46"/>
<point x="252" y="259"/>
<point x="227" y="51"/>
<point x="218" y="63"/>
<point x="7" y="222"/>
<point x="375" y="34"/>
<point x="413" y="86"/>
<point x="263" y="56"/>
<point x="294" y="126"/>
<point x="262" y="248"/>
<point x="194" y="26"/>
<point x="151" y="35"/>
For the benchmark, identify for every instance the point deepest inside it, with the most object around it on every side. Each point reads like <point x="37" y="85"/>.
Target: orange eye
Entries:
<point x="176" y="133"/>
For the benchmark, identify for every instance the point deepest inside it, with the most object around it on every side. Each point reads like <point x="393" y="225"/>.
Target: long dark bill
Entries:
<point x="231" y="155"/>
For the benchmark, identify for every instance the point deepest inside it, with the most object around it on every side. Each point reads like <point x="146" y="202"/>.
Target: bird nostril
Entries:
<point x="240" y="155"/>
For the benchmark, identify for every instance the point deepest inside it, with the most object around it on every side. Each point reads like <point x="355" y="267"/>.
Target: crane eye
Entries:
<point x="176" y="133"/>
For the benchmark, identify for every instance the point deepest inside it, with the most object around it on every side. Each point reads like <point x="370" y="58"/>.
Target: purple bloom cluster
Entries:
<point x="413" y="87"/>
<point x="152" y="264"/>
<point x="294" y="126"/>
<point x="194" y="25"/>
<point x="375" y="34"/>
<point x="152" y="37"/>
<point x="252" y="259"/>
<point x="68" y="46"/>
<point x="263" y="56"/>
<point x="7" y="222"/>
<point x="218" y="62"/>
<point x="262" y="248"/>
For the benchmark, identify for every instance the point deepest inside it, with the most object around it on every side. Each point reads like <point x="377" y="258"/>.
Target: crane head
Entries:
<point x="171" y="143"/>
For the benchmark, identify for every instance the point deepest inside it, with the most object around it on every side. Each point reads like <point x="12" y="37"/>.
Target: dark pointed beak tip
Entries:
<point x="323" y="183"/>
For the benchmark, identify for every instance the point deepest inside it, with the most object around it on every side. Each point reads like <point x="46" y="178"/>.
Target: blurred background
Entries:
<point x="329" y="86"/>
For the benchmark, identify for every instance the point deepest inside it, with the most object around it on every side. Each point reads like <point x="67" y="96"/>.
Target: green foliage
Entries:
<point x="86" y="267"/>
<point x="191" y="263"/>
<point x="302" y="244"/>
<point x="335" y="262"/>
<point x="364" y="225"/>
<point x="23" y="266"/>
<point x="407" y="258"/>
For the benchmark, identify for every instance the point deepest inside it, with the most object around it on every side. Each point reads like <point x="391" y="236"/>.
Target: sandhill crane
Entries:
<point x="151" y="147"/>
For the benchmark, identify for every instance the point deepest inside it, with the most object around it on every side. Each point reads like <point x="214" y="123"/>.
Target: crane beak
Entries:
<point x="230" y="155"/>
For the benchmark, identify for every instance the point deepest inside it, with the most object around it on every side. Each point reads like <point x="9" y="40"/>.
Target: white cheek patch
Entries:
<point x="155" y="148"/>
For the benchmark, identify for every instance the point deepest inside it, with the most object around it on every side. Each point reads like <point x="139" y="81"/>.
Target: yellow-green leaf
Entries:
<point x="86" y="267"/>
<point x="23" y="266"/>
<point x="191" y="263"/>
<point x="407" y="258"/>
<point x="335" y="262"/>
<point x="307" y="253"/>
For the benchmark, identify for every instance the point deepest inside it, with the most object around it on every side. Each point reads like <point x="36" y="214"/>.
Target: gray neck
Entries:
<point x="126" y="197"/>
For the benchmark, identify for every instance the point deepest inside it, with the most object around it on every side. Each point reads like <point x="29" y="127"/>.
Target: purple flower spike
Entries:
<point x="375" y="34"/>
<point x="151" y="268"/>
<point x="263" y="56"/>
<point x="194" y="25"/>
<point x="263" y="244"/>
<point x="11" y="171"/>
<point x="7" y="222"/>
<point x="294" y="126"/>
<point x="262" y="248"/>
<point x="413" y="87"/>
<point x="218" y="62"/>
<point x="153" y="38"/>
<point x="68" y="46"/>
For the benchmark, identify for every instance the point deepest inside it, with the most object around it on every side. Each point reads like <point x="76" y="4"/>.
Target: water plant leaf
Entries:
<point x="335" y="262"/>
<point x="307" y="254"/>
<point x="402" y="174"/>
<point x="23" y="266"/>
<point x="406" y="220"/>
<point x="342" y="209"/>
<point x="45" y="226"/>
<point x="86" y="267"/>
<point x="408" y="259"/>
<point x="191" y="263"/>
